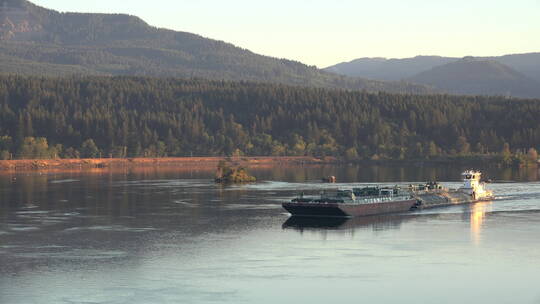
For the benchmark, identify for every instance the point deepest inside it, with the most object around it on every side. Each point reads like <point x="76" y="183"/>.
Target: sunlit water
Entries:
<point x="170" y="236"/>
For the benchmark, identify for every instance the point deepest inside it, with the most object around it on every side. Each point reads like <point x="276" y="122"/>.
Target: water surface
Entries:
<point x="169" y="236"/>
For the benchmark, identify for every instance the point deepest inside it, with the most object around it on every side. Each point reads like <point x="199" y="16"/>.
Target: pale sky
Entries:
<point x="324" y="33"/>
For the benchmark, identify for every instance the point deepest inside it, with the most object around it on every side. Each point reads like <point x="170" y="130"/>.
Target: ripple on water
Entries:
<point x="168" y="183"/>
<point x="50" y="247"/>
<point x="31" y="212"/>
<point x="64" y="181"/>
<point x="70" y="214"/>
<point x="75" y="254"/>
<point x="273" y="186"/>
<point x="251" y="206"/>
<point x="278" y="199"/>
<point x="22" y="228"/>
<point x="184" y="203"/>
<point x="30" y="206"/>
<point x="112" y="228"/>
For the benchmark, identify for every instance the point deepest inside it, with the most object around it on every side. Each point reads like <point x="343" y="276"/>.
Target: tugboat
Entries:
<point x="375" y="200"/>
<point x="474" y="187"/>
<point x="473" y="190"/>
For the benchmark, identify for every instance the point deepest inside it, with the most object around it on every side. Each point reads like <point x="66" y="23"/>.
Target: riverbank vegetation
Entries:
<point x="121" y="117"/>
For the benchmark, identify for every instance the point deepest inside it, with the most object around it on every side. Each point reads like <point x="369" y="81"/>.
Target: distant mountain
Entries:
<point x="472" y="76"/>
<point x="398" y="69"/>
<point x="518" y="67"/>
<point x="39" y="41"/>
<point x="388" y="69"/>
<point x="528" y="64"/>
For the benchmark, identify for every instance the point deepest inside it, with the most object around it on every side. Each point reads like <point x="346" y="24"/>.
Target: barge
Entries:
<point x="375" y="200"/>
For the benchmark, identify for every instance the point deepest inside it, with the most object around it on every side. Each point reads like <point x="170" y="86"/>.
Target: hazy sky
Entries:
<point x="325" y="32"/>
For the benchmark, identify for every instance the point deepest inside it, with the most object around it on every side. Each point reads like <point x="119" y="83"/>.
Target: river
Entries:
<point x="173" y="236"/>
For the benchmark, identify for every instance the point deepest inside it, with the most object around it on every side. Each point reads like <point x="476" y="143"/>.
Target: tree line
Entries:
<point x="89" y="117"/>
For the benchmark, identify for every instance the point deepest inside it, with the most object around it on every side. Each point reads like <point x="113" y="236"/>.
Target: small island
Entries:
<point x="228" y="174"/>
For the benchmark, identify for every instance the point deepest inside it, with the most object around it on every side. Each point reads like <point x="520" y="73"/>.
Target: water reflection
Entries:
<point x="375" y="223"/>
<point x="477" y="216"/>
<point x="301" y="223"/>
<point x="392" y="173"/>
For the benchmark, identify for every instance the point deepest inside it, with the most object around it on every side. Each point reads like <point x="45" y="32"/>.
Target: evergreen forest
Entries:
<point x="91" y="117"/>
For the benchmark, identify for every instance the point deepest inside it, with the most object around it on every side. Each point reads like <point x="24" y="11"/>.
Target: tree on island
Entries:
<point x="227" y="174"/>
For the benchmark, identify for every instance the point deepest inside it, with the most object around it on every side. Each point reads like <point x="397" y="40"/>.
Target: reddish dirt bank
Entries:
<point x="56" y="164"/>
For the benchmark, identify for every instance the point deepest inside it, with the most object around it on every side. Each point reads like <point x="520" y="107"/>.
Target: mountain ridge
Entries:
<point x="119" y="44"/>
<point x="525" y="67"/>
<point x="521" y="62"/>
<point x="390" y="69"/>
<point x="474" y="76"/>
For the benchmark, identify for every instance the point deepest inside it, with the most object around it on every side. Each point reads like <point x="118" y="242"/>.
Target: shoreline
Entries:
<point x="41" y="165"/>
<point x="183" y="162"/>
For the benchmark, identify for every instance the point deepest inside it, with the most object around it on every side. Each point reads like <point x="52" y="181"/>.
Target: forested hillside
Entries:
<point x="126" y="117"/>
<point x="42" y="42"/>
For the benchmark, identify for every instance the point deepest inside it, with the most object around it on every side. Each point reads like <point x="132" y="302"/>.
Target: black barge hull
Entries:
<point x="347" y="210"/>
